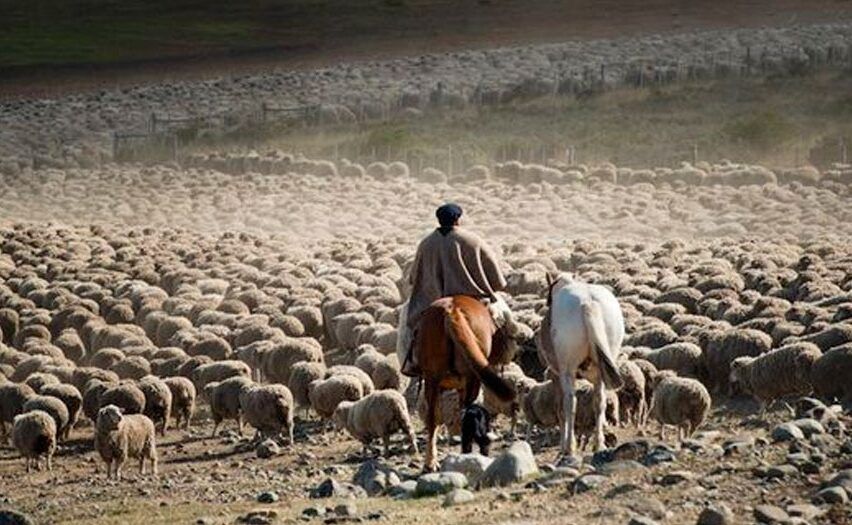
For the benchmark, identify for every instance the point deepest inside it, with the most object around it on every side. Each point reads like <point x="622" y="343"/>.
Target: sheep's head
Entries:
<point x="341" y="414"/>
<point x="109" y="417"/>
<point x="208" y="390"/>
<point x="737" y="366"/>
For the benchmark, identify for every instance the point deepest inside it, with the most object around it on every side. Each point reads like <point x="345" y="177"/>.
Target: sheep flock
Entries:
<point x="227" y="323"/>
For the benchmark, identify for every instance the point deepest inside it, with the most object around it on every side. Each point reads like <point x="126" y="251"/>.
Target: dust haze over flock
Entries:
<point x="172" y="288"/>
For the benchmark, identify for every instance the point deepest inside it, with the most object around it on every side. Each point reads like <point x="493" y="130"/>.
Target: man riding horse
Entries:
<point x="452" y="261"/>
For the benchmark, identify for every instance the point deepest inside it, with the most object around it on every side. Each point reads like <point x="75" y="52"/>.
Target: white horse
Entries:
<point x="586" y="329"/>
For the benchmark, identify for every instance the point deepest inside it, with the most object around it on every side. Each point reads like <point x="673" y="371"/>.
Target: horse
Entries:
<point x="454" y="351"/>
<point x="581" y="336"/>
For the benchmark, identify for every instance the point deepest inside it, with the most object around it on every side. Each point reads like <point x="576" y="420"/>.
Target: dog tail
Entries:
<point x="597" y="335"/>
<point x="464" y="339"/>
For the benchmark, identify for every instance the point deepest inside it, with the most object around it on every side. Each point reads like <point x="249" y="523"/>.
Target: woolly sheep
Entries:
<point x="83" y="375"/>
<point x="513" y="374"/>
<point x="269" y="409"/>
<point x="125" y="395"/>
<point x="377" y="415"/>
<point x="92" y="398"/>
<point x="631" y="395"/>
<point x="302" y="374"/>
<point x="366" y="383"/>
<point x="387" y="375"/>
<point x="183" y="400"/>
<point x="278" y="361"/>
<point x="224" y="399"/>
<point x="722" y="347"/>
<point x="781" y="372"/>
<point x="73" y="401"/>
<point x="119" y="437"/>
<point x="132" y="367"/>
<point x="219" y="371"/>
<point x="39" y="380"/>
<point x="13" y="396"/>
<point x="158" y="401"/>
<point x="682" y="402"/>
<point x="214" y="347"/>
<point x="326" y="394"/>
<point x="684" y="358"/>
<point x="830" y="374"/>
<point x="51" y="405"/>
<point x="34" y="435"/>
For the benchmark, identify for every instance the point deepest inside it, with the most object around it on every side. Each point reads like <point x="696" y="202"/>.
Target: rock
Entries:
<point x="622" y="489"/>
<point x="805" y="511"/>
<point x="471" y="465"/>
<point x="635" y="450"/>
<point x="267" y="449"/>
<point x="588" y="482"/>
<point x="841" y="479"/>
<point x="404" y="490"/>
<point x="13" y="517"/>
<point x="676" y="477"/>
<point x="458" y="497"/>
<point x="331" y="488"/>
<point x="375" y="477"/>
<point x="621" y="466"/>
<point x="738" y="446"/>
<point x="787" y="432"/>
<point x="314" y="511"/>
<point x="781" y="472"/>
<point x="267" y="497"/>
<point x="716" y="514"/>
<point x="809" y="426"/>
<point x="806" y="404"/>
<point x="641" y="520"/>
<point x="258" y="517"/>
<point x="437" y="483"/>
<point x="659" y="455"/>
<point x="770" y="514"/>
<point x="646" y="506"/>
<point x="833" y="495"/>
<point x="346" y="510"/>
<point x="514" y="465"/>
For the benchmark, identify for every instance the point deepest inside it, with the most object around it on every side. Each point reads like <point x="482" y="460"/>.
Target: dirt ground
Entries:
<point x="430" y="26"/>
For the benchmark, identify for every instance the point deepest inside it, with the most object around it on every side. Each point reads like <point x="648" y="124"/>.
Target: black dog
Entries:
<point x="475" y="426"/>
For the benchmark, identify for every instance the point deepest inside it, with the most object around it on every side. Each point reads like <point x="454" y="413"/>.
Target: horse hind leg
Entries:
<point x="432" y="393"/>
<point x="600" y="415"/>
<point x="569" y="405"/>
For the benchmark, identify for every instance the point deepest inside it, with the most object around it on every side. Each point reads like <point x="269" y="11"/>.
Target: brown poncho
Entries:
<point x="458" y="263"/>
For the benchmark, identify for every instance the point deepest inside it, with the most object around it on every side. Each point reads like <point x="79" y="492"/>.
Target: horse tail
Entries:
<point x="597" y="335"/>
<point x="464" y="339"/>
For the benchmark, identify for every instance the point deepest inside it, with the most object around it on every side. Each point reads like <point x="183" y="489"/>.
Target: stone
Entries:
<point x="676" y="477"/>
<point x="458" y="497"/>
<point x="738" y="446"/>
<point x="716" y="514"/>
<point x="646" y="506"/>
<point x="841" y="479"/>
<point x="770" y="514"/>
<point x="13" y="517"/>
<point x="267" y="449"/>
<point x="314" y="511"/>
<point x="436" y="483"/>
<point x="347" y="510"/>
<point x="781" y="472"/>
<point x="620" y="490"/>
<point x="833" y="495"/>
<point x="787" y="432"/>
<point x="331" y="488"/>
<point x="621" y="466"/>
<point x="588" y="482"/>
<point x="514" y="465"/>
<point x="658" y="456"/>
<point x="641" y="520"/>
<point x="375" y="477"/>
<point x="635" y="450"/>
<point x="267" y="497"/>
<point x="471" y="465"/>
<point x="804" y="510"/>
<point x="404" y="490"/>
<point x="809" y="426"/>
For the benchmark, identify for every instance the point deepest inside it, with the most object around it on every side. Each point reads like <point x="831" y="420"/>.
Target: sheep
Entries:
<point x="377" y="415"/>
<point x="513" y="374"/>
<point x="51" y="405"/>
<point x="269" y="409"/>
<point x="212" y="346"/>
<point x="39" y="380"/>
<point x="541" y="405"/>
<point x="219" y="371"/>
<point x="302" y="374"/>
<point x="366" y="383"/>
<point x="631" y="395"/>
<point x="73" y="400"/>
<point x="278" y="361"/>
<point x="368" y="358"/>
<point x="119" y="437"/>
<point x="83" y="375"/>
<point x="125" y="395"/>
<point x="722" y="347"/>
<point x="183" y="400"/>
<point x="13" y="396"/>
<point x="34" y="435"/>
<point x="830" y="374"/>
<point x="684" y="358"/>
<point x="92" y="398"/>
<point x="680" y="401"/>
<point x="158" y="401"/>
<point x="782" y="372"/>
<point x="386" y="374"/>
<point x="326" y="394"/>
<point x="132" y="367"/>
<point x="224" y="399"/>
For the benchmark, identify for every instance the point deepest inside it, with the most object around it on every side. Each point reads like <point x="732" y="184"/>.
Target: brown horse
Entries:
<point x="454" y="351"/>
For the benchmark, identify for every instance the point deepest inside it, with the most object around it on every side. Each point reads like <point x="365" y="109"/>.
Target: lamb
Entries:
<point x="830" y="374"/>
<point x="782" y="372"/>
<point x="73" y="401"/>
<point x="119" y="437"/>
<point x="183" y="400"/>
<point x="34" y="435"/>
<point x="218" y="372"/>
<point x="125" y="395"/>
<point x="631" y="395"/>
<point x="269" y="409"/>
<point x="51" y="405"/>
<point x="377" y="415"/>
<point x="301" y="376"/>
<point x="224" y="399"/>
<point x="684" y="358"/>
<point x="12" y="399"/>
<point x="326" y="394"/>
<point x="680" y="401"/>
<point x="158" y="401"/>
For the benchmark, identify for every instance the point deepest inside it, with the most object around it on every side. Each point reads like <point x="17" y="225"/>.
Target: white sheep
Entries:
<point x="326" y="394"/>
<point x="158" y="401"/>
<point x="224" y="399"/>
<point x="119" y="437"/>
<point x="269" y="409"/>
<point x="34" y="435"/>
<point x="183" y="400"/>
<point x="682" y="402"/>
<point x="785" y="371"/>
<point x="377" y="415"/>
